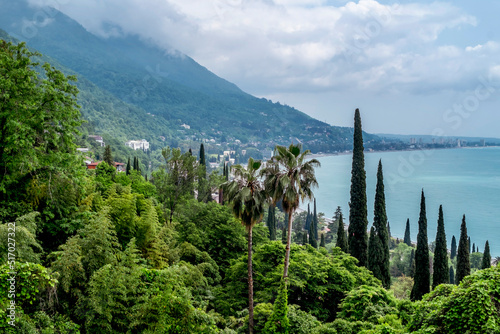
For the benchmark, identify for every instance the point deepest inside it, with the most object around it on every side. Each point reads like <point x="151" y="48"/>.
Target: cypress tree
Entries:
<point x="358" y="221"/>
<point x="307" y="226"/>
<point x="388" y="227"/>
<point x="407" y="239"/>
<point x="452" y="275"/>
<point x="190" y="152"/>
<point x="453" y="248"/>
<point x="283" y="235"/>
<point x="463" y="261"/>
<point x="486" y="256"/>
<point x="441" y="273"/>
<point x="468" y="242"/>
<point x="127" y="169"/>
<point x="312" y="239"/>
<point x="323" y="241"/>
<point x="315" y="222"/>
<point x="411" y="264"/>
<point x="341" y="236"/>
<point x="304" y="238"/>
<point x="202" y="155"/>
<point x="108" y="157"/>
<point x="374" y="254"/>
<point x="378" y="253"/>
<point x="138" y="166"/>
<point x="271" y="222"/>
<point x="473" y="248"/>
<point x="422" y="279"/>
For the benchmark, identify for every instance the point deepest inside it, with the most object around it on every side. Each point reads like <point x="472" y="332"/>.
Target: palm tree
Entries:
<point x="290" y="178"/>
<point x="248" y="199"/>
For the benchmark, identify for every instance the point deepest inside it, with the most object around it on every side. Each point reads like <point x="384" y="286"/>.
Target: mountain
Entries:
<point x="128" y="81"/>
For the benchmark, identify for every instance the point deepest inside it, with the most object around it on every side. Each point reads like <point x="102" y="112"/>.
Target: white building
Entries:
<point x="142" y="144"/>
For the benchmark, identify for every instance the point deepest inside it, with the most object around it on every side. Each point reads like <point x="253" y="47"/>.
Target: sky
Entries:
<point x="412" y="67"/>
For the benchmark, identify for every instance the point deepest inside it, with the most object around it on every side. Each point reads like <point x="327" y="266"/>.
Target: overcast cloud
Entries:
<point x="404" y="63"/>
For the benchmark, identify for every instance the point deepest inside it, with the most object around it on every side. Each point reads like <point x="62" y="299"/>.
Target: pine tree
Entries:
<point x="407" y="239"/>
<point x="411" y="264"/>
<point x="452" y="275"/>
<point x="127" y="169"/>
<point x="271" y="222"/>
<point x="441" y="273"/>
<point x="323" y="241"/>
<point x="358" y="221"/>
<point x="422" y="279"/>
<point x="378" y="253"/>
<point x="486" y="256"/>
<point x="453" y="252"/>
<point x="463" y="261"/>
<point x="341" y="236"/>
<point x="108" y="157"/>
<point x="315" y="222"/>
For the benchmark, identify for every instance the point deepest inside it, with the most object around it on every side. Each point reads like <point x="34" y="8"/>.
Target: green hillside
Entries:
<point x="140" y="83"/>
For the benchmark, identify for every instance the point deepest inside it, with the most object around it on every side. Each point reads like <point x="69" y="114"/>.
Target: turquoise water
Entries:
<point x="465" y="181"/>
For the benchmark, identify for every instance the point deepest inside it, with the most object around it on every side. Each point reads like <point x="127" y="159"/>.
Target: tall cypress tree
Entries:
<point x="304" y="238"/>
<point x="452" y="275"/>
<point x="358" y="221"/>
<point x="108" y="157"/>
<point x="378" y="253"/>
<point x="463" y="261"/>
<point x="411" y="264"/>
<point x="422" y="279"/>
<point x="473" y="248"/>
<point x="341" y="237"/>
<point x="486" y="256"/>
<point x="271" y="222"/>
<point x="203" y="191"/>
<point x="323" y="241"/>
<point x="202" y="155"/>
<point x="312" y="238"/>
<point x="315" y="221"/>
<point x="453" y="252"/>
<point x="468" y="241"/>
<point x="441" y="273"/>
<point x="407" y="239"/>
<point x="128" y="168"/>
<point x="307" y="226"/>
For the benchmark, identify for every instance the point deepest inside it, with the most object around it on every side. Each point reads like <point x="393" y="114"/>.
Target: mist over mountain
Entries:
<point x="177" y="98"/>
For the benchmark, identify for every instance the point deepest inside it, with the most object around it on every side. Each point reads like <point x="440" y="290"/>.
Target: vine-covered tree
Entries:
<point x="358" y="221"/>
<point x="422" y="276"/>
<point x="453" y="251"/>
<point x="463" y="261"/>
<point x="290" y="177"/>
<point x="407" y="238"/>
<point x="441" y="273"/>
<point x="486" y="263"/>
<point x="248" y="198"/>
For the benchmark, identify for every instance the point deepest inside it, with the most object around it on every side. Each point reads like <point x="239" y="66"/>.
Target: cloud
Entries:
<point x="303" y="45"/>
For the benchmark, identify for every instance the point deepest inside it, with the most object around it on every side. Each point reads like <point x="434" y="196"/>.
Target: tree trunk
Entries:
<point x="250" y="283"/>
<point x="288" y="243"/>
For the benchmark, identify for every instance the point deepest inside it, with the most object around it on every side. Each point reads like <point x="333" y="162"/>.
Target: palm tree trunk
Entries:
<point x="250" y="283"/>
<point x="288" y="243"/>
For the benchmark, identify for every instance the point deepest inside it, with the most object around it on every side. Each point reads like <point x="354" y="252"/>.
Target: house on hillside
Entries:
<point x="97" y="139"/>
<point x="120" y="166"/>
<point x="142" y="144"/>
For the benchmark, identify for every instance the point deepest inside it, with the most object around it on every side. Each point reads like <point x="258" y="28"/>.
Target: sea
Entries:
<point x="466" y="181"/>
